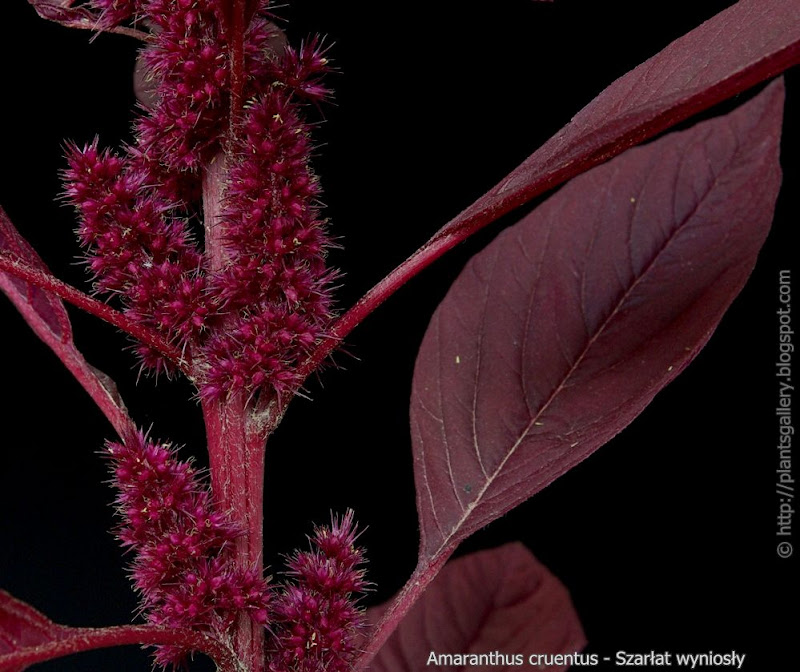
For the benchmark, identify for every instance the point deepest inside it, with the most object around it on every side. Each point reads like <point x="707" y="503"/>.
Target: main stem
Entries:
<point x="236" y="447"/>
<point x="237" y="28"/>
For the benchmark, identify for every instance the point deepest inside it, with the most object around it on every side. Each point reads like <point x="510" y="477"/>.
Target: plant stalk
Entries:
<point x="236" y="445"/>
<point x="236" y="448"/>
<point x="401" y="605"/>
<point x="20" y="269"/>
<point x="237" y="27"/>
<point x="78" y="640"/>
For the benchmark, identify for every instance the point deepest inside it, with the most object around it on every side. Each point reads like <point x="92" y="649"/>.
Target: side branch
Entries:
<point x="606" y="127"/>
<point x="78" y="640"/>
<point x="82" y="18"/>
<point x="443" y="241"/>
<point x="21" y="270"/>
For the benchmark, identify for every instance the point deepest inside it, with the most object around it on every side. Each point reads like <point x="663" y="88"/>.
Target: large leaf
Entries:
<point x="741" y="46"/>
<point x="747" y="43"/>
<point x="497" y="601"/>
<point x="47" y="317"/>
<point x="559" y="333"/>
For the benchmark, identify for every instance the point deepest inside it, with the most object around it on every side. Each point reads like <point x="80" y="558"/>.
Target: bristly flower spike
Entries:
<point x="276" y="286"/>
<point x="317" y="620"/>
<point x="247" y="323"/>
<point x="183" y="566"/>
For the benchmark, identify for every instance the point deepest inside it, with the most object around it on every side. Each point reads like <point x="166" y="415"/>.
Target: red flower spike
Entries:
<point x="183" y="567"/>
<point x="136" y="247"/>
<point x="317" y="620"/>
<point x="276" y="283"/>
<point x="276" y="288"/>
<point x="301" y="70"/>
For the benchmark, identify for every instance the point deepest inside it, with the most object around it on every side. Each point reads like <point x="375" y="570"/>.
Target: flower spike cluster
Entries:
<point x="207" y="229"/>
<point x="276" y="284"/>
<point x="249" y="309"/>
<point x="184" y="570"/>
<point x="183" y="565"/>
<point x="317" y="618"/>
<point x="137" y="248"/>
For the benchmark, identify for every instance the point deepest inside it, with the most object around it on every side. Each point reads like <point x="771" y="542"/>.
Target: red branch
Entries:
<point x="77" y="640"/>
<point x="497" y="203"/>
<point x="62" y="290"/>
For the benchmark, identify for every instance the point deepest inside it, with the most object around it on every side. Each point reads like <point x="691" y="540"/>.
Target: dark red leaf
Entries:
<point x="748" y="43"/>
<point x="47" y="308"/>
<point x="48" y="318"/>
<point x="502" y="600"/>
<point x="557" y="335"/>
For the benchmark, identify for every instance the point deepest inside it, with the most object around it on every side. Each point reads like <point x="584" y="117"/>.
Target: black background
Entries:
<point x="665" y="537"/>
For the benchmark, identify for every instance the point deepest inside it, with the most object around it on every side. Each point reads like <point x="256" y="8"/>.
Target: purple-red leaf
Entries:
<point x="48" y="318"/>
<point x="498" y="601"/>
<point x="563" y="329"/>
<point x="747" y="43"/>
<point x="557" y="335"/>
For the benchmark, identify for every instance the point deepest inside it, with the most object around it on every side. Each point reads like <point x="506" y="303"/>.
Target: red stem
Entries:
<point x="558" y="169"/>
<point x="62" y="290"/>
<point x="77" y="640"/>
<point x="236" y="448"/>
<point x="238" y="27"/>
<point x="236" y="444"/>
<point x="400" y="606"/>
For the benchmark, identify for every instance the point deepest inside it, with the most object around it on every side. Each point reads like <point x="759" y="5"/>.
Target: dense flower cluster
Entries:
<point x="184" y="571"/>
<point x="249" y="317"/>
<point x="221" y="104"/>
<point x="137" y="249"/>
<point x="276" y="284"/>
<point x="183" y="565"/>
<point x="317" y="620"/>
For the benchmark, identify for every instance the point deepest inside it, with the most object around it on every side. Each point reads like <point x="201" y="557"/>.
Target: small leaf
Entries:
<point x="557" y="335"/>
<point x="48" y="309"/>
<point x="502" y="600"/>
<point x="65" y="13"/>
<point x="48" y="318"/>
